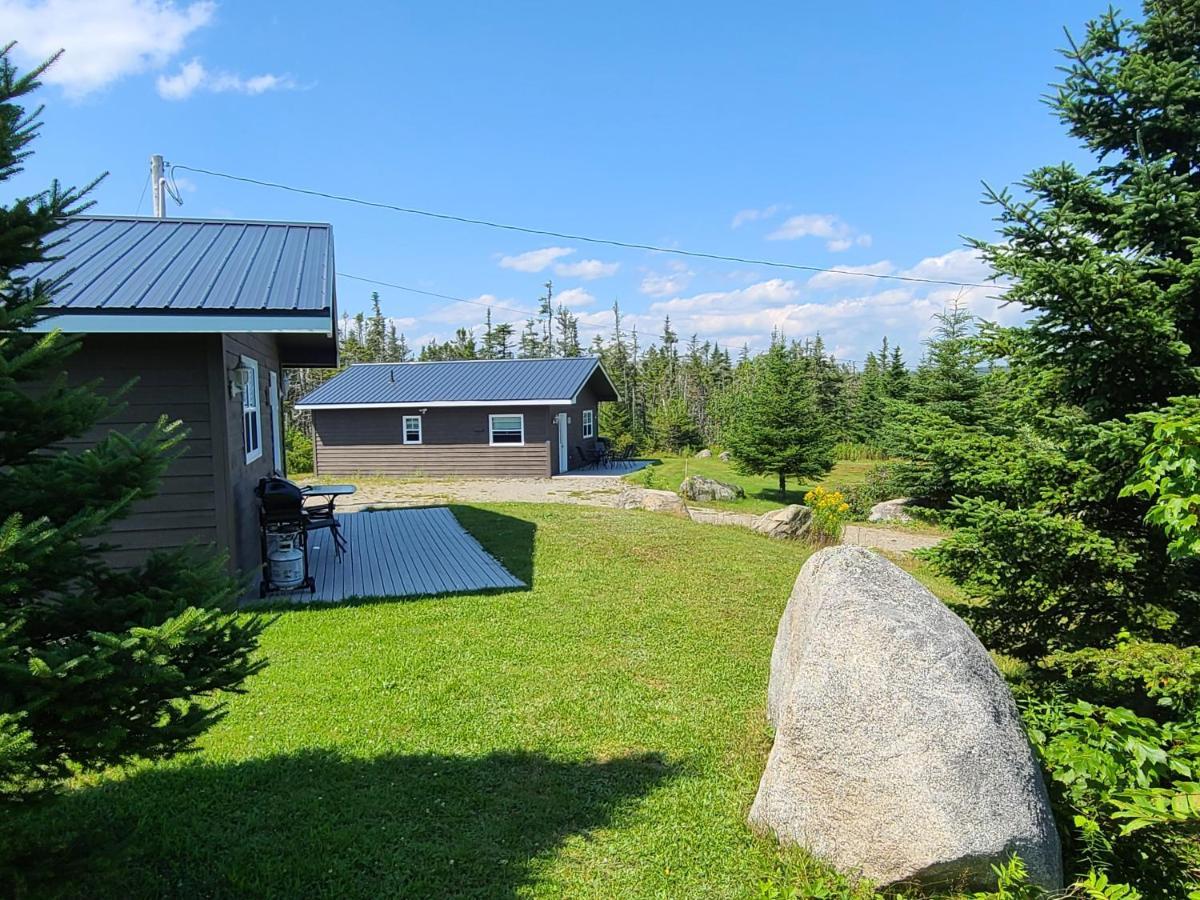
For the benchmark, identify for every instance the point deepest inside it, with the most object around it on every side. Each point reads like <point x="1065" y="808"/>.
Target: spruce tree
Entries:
<point x="1066" y="574"/>
<point x="97" y="665"/>
<point x="773" y="422"/>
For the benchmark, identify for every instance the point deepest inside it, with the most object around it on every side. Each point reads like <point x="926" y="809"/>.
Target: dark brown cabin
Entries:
<point x="202" y="317"/>
<point x="511" y="418"/>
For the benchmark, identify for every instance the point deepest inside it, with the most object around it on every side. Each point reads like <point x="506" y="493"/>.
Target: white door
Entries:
<point x="276" y="421"/>
<point x="562" y="443"/>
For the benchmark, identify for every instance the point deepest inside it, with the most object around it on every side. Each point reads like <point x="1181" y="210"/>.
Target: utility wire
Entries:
<point x="143" y="196"/>
<point x="526" y="313"/>
<point x="567" y="236"/>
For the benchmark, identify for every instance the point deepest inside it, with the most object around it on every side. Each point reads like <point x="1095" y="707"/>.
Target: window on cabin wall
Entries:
<point x="589" y="423"/>
<point x="507" y="429"/>
<point x="412" y="429"/>
<point x="251" y="412"/>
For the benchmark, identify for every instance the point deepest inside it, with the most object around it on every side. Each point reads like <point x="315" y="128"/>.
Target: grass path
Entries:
<point x="599" y="735"/>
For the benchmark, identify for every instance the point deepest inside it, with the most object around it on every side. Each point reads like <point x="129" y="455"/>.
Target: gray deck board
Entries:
<point x="400" y="553"/>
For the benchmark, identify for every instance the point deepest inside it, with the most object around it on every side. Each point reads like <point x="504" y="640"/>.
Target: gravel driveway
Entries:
<point x="598" y="489"/>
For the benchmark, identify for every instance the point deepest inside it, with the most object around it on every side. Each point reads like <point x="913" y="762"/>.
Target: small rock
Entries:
<point x="724" y="456"/>
<point x="899" y="753"/>
<point x="655" y="501"/>
<point x="704" y="454"/>
<point x="697" y="487"/>
<point x="891" y="511"/>
<point x="788" y="523"/>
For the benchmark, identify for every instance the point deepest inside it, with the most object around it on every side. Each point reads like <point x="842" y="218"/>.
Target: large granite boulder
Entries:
<point x="704" y="454"/>
<point x="788" y="523"/>
<point x="724" y="456"/>
<point x="891" y="511"/>
<point x="697" y="487"/>
<point x="655" y="501"/>
<point x="899" y="753"/>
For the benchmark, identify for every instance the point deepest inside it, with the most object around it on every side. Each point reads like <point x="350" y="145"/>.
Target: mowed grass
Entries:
<point x="600" y="734"/>
<point x="762" y="491"/>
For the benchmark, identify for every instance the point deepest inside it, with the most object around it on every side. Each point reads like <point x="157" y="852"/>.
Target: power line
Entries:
<point x="525" y="313"/>
<point x="567" y="236"/>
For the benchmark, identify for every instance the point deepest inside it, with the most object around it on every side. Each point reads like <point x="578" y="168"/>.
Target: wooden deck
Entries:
<point x="399" y="553"/>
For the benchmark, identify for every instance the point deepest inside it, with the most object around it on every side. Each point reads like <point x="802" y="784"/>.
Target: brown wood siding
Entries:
<point x="239" y="478"/>
<point x="171" y="373"/>
<point x="575" y="438"/>
<point x="455" y="442"/>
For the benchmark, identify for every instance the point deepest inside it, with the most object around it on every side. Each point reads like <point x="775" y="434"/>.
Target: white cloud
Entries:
<point x="105" y="40"/>
<point x="742" y="216"/>
<point x="837" y="234"/>
<point x="534" y="260"/>
<point x="193" y="76"/>
<point x="572" y="298"/>
<point x="776" y="290"/>
<point x="850" y="275"/>
<point x="664" y="284"/>
<point x="587" y="269"/>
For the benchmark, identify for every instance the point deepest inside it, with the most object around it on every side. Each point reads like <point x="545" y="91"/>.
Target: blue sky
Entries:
<point x="844" y="135"/>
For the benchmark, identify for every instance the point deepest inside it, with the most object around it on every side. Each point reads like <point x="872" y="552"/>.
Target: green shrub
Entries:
<point x="880" y="484"/>
<point x="1123" y="791"/>
<point x="298" y="450"/>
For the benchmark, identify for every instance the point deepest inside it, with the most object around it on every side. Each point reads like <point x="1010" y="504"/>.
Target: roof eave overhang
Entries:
<point x="173" y="321"/>
<point x="432" y="404"/>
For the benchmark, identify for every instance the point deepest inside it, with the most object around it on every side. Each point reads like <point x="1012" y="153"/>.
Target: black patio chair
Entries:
<point x="590" y="460"/>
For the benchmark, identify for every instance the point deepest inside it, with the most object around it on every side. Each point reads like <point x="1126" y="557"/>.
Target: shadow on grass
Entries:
<point x="509" y="539"/>
<point x="315" y="823"/>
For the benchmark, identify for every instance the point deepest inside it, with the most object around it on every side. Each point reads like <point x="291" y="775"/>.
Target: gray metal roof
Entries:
<point x="459" y="383"/>
<point x="122" y="264"/>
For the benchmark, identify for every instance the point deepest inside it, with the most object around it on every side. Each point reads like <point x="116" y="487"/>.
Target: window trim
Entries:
<point x="404" y="430"/>
<point x="492" y="442"/>
<point x="589" y="423"/>
<point x="252" y="403"/>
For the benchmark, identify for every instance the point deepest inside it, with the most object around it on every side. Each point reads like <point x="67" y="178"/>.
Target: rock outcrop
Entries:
<point x="704" y="454"/>
<point x="724" y="456"/>
<point x="891" y="511"/>
<point x="899" y="753"/>
<point x="655" y="501"/>
<point x="697" y="487"/>
<point x="788" y="523"/>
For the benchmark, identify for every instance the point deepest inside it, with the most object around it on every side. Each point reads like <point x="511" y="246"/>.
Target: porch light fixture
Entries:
<point x="239" y="377"/>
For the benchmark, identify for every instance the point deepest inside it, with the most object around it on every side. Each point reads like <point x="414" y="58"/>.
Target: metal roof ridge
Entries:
<point x="196" y="220"/>
<point x="428" y="362"/>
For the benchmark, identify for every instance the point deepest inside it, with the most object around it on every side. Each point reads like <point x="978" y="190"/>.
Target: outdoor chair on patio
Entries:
<point x="592" y="460"/>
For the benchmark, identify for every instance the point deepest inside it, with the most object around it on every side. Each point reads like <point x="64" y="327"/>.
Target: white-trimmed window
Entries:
<point x="507" y="429"/>
<point x="251" y="418"/>
<point x="589" y="423"/>
<point x="412" y="429"/>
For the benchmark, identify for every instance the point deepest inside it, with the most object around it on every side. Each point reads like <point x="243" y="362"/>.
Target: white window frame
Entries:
<point x="589" y="423"/>
<point x="252" y="411"/>
<point x="404" y="430"/>
<point x="492" y="430"/>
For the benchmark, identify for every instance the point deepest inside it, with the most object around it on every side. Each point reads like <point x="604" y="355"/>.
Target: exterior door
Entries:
<point x="563" y="448"/>
<point x="276" y="421"/>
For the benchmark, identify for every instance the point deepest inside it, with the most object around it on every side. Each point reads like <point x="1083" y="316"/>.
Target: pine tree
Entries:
<point x="774" y="424"/>
<point x="96" y="665"/>
<point x="568" y="333"/>
<point x="375" y="338"/>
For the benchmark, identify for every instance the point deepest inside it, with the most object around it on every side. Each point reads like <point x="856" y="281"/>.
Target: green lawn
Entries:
<point x="599" y="735"/>
<point x="762" y="492"/>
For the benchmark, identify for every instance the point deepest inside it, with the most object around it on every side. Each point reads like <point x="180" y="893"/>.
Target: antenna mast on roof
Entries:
<point x="158" y="184"/>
